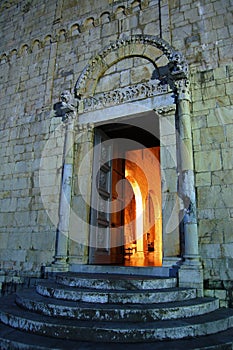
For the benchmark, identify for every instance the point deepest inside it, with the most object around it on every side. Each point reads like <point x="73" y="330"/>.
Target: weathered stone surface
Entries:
<point x="106" y="296"/>
<point x="56" y="41"/>
<point x="113" y="323"/>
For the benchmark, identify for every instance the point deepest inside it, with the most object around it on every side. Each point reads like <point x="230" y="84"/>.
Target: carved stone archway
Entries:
<point x="152" y="48"/>
<point x="160" y="54"/>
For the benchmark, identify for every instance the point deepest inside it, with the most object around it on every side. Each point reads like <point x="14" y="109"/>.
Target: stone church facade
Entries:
<point x="116" y="139"/>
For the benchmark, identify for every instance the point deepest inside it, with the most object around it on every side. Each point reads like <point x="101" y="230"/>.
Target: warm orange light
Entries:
<point x="142" y="170"/>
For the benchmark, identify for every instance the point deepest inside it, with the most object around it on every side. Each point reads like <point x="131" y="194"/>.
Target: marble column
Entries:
<point x="190" y="273"/>
<point x="65" y="199"/>
<point x="67" y="111"/>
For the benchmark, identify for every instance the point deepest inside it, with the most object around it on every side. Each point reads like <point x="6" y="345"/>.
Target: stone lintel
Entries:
<point x="134" y="108"/>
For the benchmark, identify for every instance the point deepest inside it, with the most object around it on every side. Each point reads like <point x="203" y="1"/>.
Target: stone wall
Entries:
<point x="44" y="48"/>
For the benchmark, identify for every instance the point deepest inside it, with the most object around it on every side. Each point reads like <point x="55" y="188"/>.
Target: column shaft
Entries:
<point x="65" y="197"/>
<point x="190" y="273"/>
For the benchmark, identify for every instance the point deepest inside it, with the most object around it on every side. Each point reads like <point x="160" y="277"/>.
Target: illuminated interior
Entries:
<point x="142" y="216"/>
<point x="140" y="167"/>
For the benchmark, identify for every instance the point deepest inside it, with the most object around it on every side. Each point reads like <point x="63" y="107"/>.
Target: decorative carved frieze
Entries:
<point x="123" y="95"/>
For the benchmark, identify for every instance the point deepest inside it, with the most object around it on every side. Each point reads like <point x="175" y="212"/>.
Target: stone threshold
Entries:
<point x="128" y="270"/>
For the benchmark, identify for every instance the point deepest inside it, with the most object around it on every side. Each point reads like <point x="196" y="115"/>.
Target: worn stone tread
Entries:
<point x="13" y="339"/>
<point x="115" y="281"/>
<point x="111" y="276"/>
<point x="216" y="321"/>
<point x="52" y="289"/>
<point x="30" y="300"/>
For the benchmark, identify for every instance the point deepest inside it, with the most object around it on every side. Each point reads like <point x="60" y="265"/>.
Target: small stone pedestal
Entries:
<point x="191" y="276"/>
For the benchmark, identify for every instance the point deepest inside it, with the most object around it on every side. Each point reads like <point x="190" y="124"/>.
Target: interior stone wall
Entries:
<point x="44" y="48"/>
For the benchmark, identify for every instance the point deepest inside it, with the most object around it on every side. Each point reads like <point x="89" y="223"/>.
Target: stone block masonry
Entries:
<point x="44" y="48"/>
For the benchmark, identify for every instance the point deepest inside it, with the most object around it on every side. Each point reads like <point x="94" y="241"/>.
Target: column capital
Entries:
<point x="182" y="89"/>
<point x="88" y="127"/>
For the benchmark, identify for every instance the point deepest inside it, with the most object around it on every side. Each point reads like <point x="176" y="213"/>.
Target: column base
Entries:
<point x="173" y="263"/>
<point x="58" y="265"/>
<point x="191" y="276"/>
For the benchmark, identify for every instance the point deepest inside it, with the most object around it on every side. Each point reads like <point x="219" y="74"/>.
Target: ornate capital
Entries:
<point x="85" y="127"/>
<point x="182" y="89"/>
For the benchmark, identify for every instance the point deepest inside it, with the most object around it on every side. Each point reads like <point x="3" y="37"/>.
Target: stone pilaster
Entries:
<point x="81" y="195"/>
<point x="170" y="200"/>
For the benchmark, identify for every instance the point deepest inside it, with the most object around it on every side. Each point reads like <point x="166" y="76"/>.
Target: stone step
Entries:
<point x="115" y="296"/>
<point x="115" y="281"/>
<point x="115" y="312"/>
<point x="13" y="339"/>
<point x="161" y="271"/>
<point x="216" y="321"/>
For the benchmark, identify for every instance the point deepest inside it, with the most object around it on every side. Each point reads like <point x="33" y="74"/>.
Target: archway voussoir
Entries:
<point x="99" y="70"/>
<point x="111" y="58"/>
<point x="155" y="49"/>
<point x="162" y="61"/>
<point x="124" y="51"/>
<point x="152" y="53"/>
<point x="137" y="49"/>
<point x="90" y="87"/>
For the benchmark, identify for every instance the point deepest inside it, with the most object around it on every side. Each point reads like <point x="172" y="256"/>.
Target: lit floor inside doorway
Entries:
<point x="142" y="259"/>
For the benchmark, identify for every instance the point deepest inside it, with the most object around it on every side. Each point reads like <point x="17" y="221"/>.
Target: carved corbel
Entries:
<point x="178" y="65"/>
<point x="166" y="109"/>
<point x="66" y="108"/>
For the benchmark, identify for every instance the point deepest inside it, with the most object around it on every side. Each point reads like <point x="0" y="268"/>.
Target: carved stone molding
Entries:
<point x="165" y="110"/>
<point x="85" y="127"/>
<point x="123" y="95"/>
<point x="178" y="67"/>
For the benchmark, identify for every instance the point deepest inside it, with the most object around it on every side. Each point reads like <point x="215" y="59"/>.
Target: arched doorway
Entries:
<point x="166" y="93"/>
<point x="122" y="220"/>
<point x="106" y="99"/>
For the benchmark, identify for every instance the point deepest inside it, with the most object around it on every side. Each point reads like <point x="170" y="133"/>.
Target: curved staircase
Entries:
<point x="89" y="311"/>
